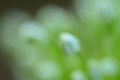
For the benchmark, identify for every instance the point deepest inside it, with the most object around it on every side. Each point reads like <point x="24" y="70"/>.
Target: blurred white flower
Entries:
<point x="27" y="55"/>
<point x="88" y="14"/>
<point x="31" y="30"/>
<point x="109" y="66"/>
<point x="70" y="43"/>
<point x="106" y="8"/>
<point x="48" y="70"/>
<point x="54" y="18"/>
<point x="94" y="69"/>
<point x="77" y="75"/>
<point x="93" y="12"/>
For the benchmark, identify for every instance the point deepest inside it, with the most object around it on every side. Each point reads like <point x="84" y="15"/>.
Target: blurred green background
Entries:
<point x="30" y="6"/>
<point x="71" y="40"/>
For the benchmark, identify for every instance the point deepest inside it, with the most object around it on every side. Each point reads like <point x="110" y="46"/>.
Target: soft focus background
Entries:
<point x="30" y="6"/>
<point x="59" y="40"/>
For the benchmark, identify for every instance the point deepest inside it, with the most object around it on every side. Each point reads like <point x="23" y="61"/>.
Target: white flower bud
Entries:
<point x="70" y="43"/>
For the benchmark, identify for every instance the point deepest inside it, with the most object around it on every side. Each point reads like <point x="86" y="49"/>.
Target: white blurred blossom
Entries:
<point x="106" y="8"/>
<point x="94" y="69"/>
<point x="109" y="66"/>
<point x="77" y="75"/>
<point x="31" y="30"/>
<point x="47" y="70"/>
<point x="54" y="18"/>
